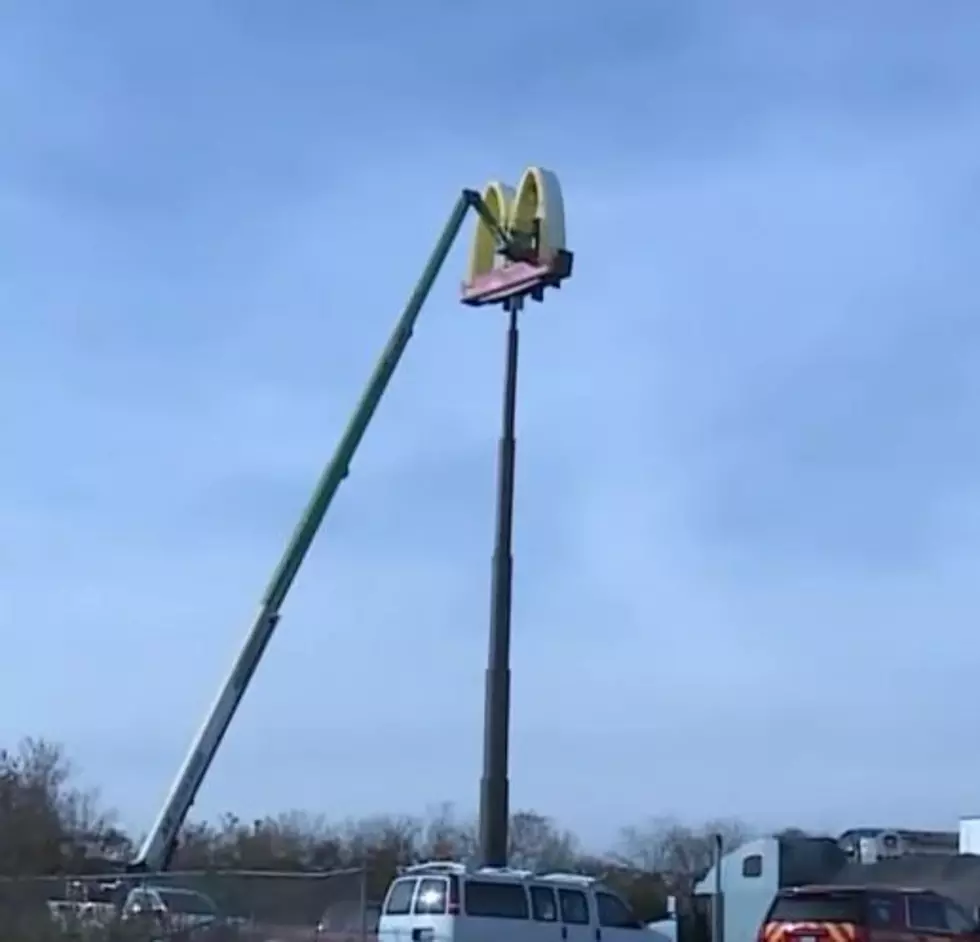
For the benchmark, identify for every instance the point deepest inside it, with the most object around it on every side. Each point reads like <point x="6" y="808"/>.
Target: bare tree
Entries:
<point x="667" y="846"/>
<point x="447" y="838"/>
<point x="48" y="826"/>
<point x="536" y="843"/>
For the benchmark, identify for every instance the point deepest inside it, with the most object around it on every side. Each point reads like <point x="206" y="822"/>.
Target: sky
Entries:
<point x="747" y="538"/>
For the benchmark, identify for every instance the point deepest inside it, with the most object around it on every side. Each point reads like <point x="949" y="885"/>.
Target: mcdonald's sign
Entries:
<point x="532" y="216"/>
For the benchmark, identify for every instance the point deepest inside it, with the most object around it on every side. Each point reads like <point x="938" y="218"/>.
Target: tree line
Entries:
<point x="50" y="827"/>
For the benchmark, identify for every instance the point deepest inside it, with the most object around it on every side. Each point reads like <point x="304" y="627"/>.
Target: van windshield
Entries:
<point x="823" y="906"/>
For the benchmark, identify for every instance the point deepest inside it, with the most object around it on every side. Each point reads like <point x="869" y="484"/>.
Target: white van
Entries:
<point x="449" y="902"/>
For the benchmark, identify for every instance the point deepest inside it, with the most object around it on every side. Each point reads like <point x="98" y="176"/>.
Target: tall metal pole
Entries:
<point x="494" y="786"/>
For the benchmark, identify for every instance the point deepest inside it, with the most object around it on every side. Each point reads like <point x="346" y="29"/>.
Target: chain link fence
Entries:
<point x="216" y="906"/>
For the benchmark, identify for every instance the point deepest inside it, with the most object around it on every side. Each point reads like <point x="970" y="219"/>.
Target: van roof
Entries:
<point x="441" y="867"/>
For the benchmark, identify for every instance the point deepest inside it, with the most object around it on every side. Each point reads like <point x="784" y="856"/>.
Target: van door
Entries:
<point x="617" y="922"/>
<point x="495" y="909"/>
<point x="396" y="922"/>
<point x="573" y="907"/>
<point x="544" y="912"/>
<point x="431" y="919"/>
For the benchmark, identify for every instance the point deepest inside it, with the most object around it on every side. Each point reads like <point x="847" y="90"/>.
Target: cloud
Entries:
<point x="746" y="511"/>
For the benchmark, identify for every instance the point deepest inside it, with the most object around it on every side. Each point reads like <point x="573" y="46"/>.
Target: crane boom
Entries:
<point x="158" y="847"/>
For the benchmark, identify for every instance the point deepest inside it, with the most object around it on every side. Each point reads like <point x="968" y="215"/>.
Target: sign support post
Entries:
<point x="518" y="251"/>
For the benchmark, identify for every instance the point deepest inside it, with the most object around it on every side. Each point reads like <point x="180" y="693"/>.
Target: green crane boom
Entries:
<point x="157" y="849"/>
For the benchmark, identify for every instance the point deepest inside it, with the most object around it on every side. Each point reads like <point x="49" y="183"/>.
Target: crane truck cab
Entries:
<point x="451" y="902"/>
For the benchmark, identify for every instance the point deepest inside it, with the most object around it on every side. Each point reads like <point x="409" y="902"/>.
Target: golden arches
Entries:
<point x="483" y="254"/>
<point x="537" y="199"/>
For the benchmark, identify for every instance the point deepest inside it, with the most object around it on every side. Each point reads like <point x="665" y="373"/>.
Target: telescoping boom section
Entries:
<point x="158" y="847"/>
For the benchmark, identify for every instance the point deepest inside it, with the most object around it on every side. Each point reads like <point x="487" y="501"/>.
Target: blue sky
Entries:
<point x="748" y="502"/>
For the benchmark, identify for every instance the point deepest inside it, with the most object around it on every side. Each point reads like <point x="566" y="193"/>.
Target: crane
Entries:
<point x="157" y="849"/>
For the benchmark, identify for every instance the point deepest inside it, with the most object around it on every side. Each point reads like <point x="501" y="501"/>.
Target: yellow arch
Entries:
<point x="539" y="197"/>
<point x="483" y="253"/>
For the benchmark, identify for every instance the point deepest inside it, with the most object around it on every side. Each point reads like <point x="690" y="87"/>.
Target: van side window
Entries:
<point x="399" y="902"/>
<point x="574" y="907"/>
<point x="496" y="900"/>
<point x="431" y="897"/>
<point x="543" y="904"/>
<point x="927" y="912"/>
<point x="752" y="865"/>
<point x="614" y="913"/>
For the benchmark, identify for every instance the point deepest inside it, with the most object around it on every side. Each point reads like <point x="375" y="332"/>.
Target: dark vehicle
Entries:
<point x="866" y="914"/>
<point x="174" y="915"/>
